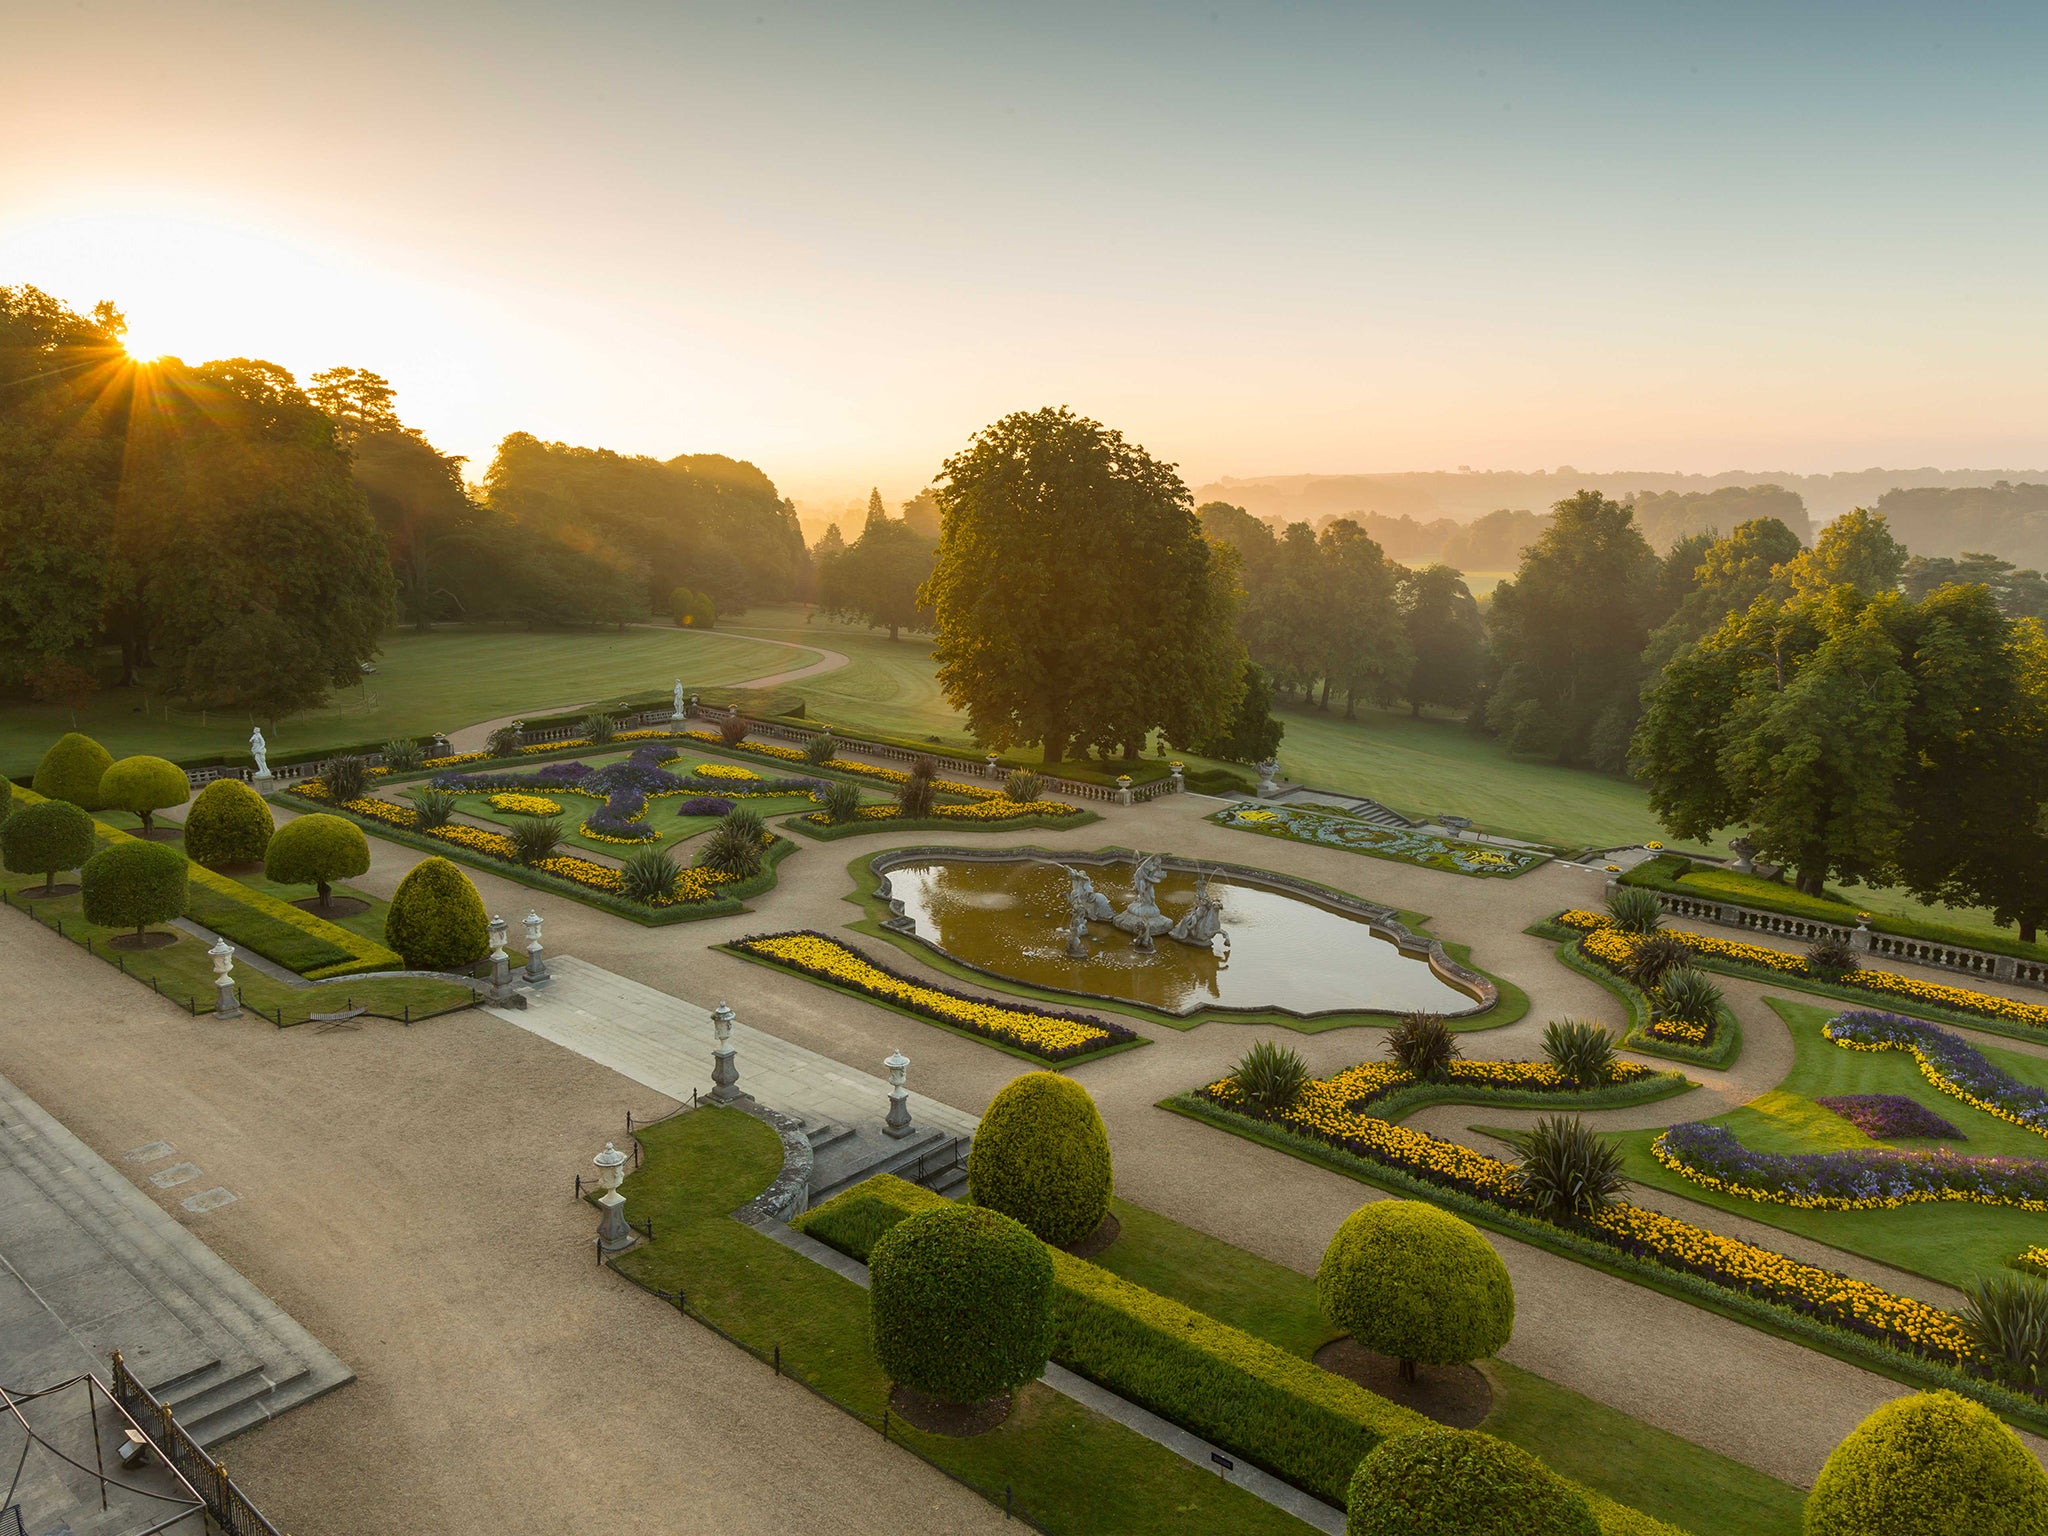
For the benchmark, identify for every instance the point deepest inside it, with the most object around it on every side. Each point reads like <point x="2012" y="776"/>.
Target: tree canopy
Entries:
<point x="1076" y="602"/>
<point x="877" y="578"/>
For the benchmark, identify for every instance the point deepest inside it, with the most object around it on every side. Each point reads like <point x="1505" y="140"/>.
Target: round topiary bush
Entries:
<point x="1042" y="1157"/>
<point x="960" y="1303"/>
<point x="72" y="770"/>
<point x="132" y="884"/>
<point x="1934" y="1464"/>
<point x="316" y="850"/>
<point x="1459" y="1482"/>
<point x="144" y="785"/>
<point x="43" y="838"/>
<point x="436" y="920"/>
<point x="228" y="824"/>
<point x="1416" y="1283"/>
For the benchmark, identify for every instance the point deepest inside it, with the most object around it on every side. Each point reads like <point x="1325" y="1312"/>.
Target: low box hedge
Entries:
<point x="1254" y="1399"/>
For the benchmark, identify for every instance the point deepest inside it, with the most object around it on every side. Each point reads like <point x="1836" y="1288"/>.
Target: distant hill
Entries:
<point x="2008" y="520"/>
<point x="1426" y="496"/>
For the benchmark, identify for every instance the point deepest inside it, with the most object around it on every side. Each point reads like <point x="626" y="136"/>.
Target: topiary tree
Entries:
<point x="1042" y="1157"/>
<point x="144" y="785"/>
<point x="436" y="920"/>
<point x="132" y="884"/>
<point x="1417" y="1283"/>
<point x="72" y="769"/>
<point x="228" y="824"/>
<point x="1933" y="1464"/>
<point x="1459" y="1482"/>
<point x="42" y="838"/>
<point x="960" y="1303"/>
<point x="316" y="850"/>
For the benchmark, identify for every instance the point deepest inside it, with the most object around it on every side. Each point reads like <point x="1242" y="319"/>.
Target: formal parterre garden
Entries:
<point x="1331" y="828"/>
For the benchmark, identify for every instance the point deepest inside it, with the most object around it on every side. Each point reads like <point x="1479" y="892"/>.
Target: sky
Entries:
<point x="836" y="240"/>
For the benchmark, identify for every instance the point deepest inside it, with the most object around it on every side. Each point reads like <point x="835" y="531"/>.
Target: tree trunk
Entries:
<point x="1130" y="751"/>
<point x="1055" y="747"/>
<point x="1414" y="710"/>
<point x="148" y="823"/>
<point x="2027" y="929"/>
<point x="1324" y="702"/>
<point x="892" y="631"/>
<point x="1350" y="703"/>
<point x="1811" y="882"/>
<point x="326" y="892"/>
<point x="1407" y="1370"/>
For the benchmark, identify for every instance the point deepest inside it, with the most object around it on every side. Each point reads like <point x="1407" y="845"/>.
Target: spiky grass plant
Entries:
<point x="1634" y="909"/>
<point x="1581" y="1050"/>
<point x="1566" y="1170"/>
<point x="1424" y="1047"/>
<point x="1271" y="1077"/>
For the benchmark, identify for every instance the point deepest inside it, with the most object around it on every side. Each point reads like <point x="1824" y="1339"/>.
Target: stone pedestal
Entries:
<point x="1863" y="939"/>
<point x="1268" y="782"/>
<point x="228" y="1006"/>
<point x="536" y="962"/>
<point x="725" y="1077"/>
<point x="263" y="783"/>
<point x="1179" y="779"/>
<point x="613" y="1235"/>
<point x="897" y="1124"/>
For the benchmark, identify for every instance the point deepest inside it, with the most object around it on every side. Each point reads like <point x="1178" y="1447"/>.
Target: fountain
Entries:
<point x="1237" y="938"/>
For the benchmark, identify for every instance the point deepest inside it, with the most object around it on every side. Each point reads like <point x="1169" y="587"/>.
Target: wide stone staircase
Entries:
<point x="844" y="1155"/>
<point x="89" y="1265"/>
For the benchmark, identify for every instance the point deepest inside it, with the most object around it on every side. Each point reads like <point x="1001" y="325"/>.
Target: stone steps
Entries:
<point x="110" y="1270"/>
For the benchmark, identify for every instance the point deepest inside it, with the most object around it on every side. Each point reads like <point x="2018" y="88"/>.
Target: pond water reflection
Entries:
<point x="1285" y="952"/>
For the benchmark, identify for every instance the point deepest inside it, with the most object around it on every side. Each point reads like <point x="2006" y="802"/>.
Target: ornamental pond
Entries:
<point x="1009" y="917"/>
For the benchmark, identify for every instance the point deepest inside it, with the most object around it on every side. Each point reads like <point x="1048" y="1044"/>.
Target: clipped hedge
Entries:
<point x="1934" y="1464"/>
<point x="131" y="884"/>
<point x="72" y="769"/>
<point x="960" y="1303"/>
<point x="143" y="785"/>
<point x="1041" y="1156"/>
<point x="1252" y="1398"/>
<point x="1417" y="1283"/>
<point x="44" y="837"/>
<point x="277" y="930"/>
<point x="437" y="919"/>
<point x="1460" y="1482"/>
<point x="228" y="824"/>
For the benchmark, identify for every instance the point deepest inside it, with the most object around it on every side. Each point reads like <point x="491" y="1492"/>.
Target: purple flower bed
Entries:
<point x="493" y="783"/>
<point x="1891" y="1117"/>
<point x="1949" y="1061"/>
<point x="619" y="817"/>
<point x="1711" y="1155"/>
<point x="704" y="805"/>
<point x="563" y="773"/>
<point x="630" y="775"/>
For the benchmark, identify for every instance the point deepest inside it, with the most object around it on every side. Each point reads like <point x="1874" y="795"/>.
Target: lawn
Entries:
<point x="1949" y="1241"/>
<point x="439" y="681"/>
<point x="1601" y="1447"/>
<point x="1071" y="1470"/>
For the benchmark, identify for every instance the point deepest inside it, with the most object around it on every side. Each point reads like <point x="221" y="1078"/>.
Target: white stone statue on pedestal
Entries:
<point x="677" y="713"/>
<point x="259" y="749"/>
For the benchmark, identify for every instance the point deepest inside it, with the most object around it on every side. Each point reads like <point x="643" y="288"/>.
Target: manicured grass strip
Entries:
<point x="1037" y="1034"/>
<point x="1071" y="1470"/>
<point x="1598" y="1447"/>
<point x="1255" y="1400"/>
<point x="1700" y="1290"/>
<point x="250" y="927"/>
<point x="1948" y="1242"/>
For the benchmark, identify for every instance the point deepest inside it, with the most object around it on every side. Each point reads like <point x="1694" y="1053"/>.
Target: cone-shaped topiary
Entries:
<point x="131" y="884"/>
<point x="316" y="850"/>
<point x="960" y="1303"/>
<point x="72" y="770"/>
<point x="1042" y="1156"/>
<point x="1417" y="1283"/>
<point x="228" y="824"/>
<point x="42" y="838"/>
<point x="1459" y="1482"/>
<point x="1934" y="1464"/>
<point x="144" y="785"/>
<point x="436" y="920"/>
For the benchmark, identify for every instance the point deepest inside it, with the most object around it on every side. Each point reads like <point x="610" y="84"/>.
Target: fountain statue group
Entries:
<point x="1142" y="919"/>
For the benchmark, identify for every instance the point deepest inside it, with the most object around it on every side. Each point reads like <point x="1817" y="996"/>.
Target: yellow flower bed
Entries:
<point x="731" y="771"/>
<point x="524" y="805"/>
<point x="1330" y="1110"/>
<point x="1039" y="1031"/>
<point x="455" y="759"/>
<point x="1609" y="945"/>
<point x="2035" y="1259"/>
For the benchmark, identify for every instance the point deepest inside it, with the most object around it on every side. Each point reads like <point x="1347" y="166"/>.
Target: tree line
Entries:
<point x="244" y="542"/>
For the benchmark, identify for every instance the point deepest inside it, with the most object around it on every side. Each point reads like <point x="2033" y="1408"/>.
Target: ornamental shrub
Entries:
<point x="402" y="754"/>
<point x="1042" y="1156"/>
<point x="72" y="769"/>
<point x="42" y="838"/>
<point x="842" y="802"/>
<point x="502" y="742"/>
<point x="228" y="824"/>
<point x="1023" y="786"/>
<point x="598" y="729"/>
<point x="535" y="838"/>
<point x="1271" y="1077"/>
<point x="347" y="778"/>
<point x="1634" y="909"/>
<point x="432" y="808"/>
<point x="436" y="919"/>
<point x="1582" y="1051"/>
<point x="316" y="850"/>
<point x="960" y="1303"/>
<point x="734" y="846"/>
<point x="144" y="785"/>
<point x="1829" y="958"/>
<point x="1656" y="957"/>
<point x="649" y="875"/>
<point x="1567" y="1169"/>
<point x="131" y="884"/>
<point x="2006" y="1317"/>
<point x="692" y="610"/>
<point x="1423" y="1046"/>
<point x="915" y="796"/>
<point x="732" y="730"/>
<point x="1417" y="1283"/>
<point x="1933" y="1464"/>
<point x="819" y="749"/>
<point x="1459" y="1482"/>
<point x="1689" y="996"/>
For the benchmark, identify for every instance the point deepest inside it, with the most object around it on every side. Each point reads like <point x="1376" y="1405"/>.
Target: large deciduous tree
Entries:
<point x="1076" y="602"/>
<point x="1365" y="643"/>
<point x="877" y="578"/>
<point x="1568" y="633"/>
<point x="1446" y="640"/>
